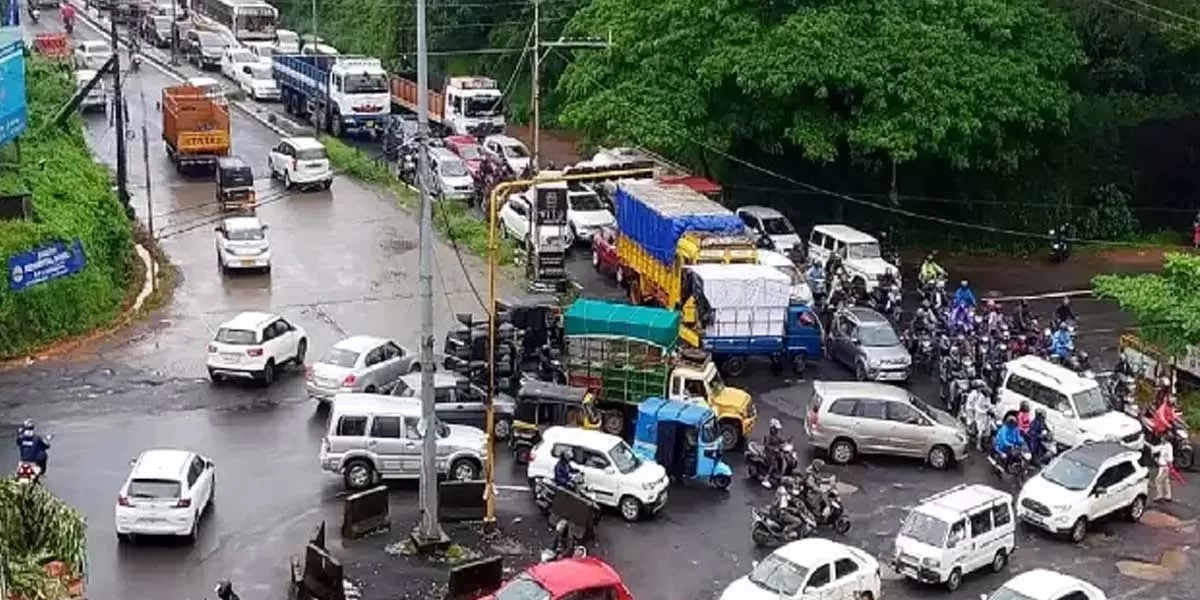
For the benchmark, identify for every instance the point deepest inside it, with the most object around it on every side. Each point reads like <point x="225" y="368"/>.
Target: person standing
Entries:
<point x="1164" y="455"/>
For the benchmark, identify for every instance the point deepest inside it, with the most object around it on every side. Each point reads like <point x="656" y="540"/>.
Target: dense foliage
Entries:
<point x="72" y="199"/>
<point x="43" y="546"/>
<point x="1018" y="113"/>
<point x="1166" y="306"/>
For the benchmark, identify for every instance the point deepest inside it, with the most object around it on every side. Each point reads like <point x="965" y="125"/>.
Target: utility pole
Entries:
<point x="429" y="534"/>
<point x="536" y="78"/>
<point x="314" y="21"/>
<point x="174" y="32"/>
<point x="119" y="119"/>
<point x="149" y="189"/>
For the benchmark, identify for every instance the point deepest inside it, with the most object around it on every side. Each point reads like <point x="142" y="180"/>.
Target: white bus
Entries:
<point x="246" y="20"/>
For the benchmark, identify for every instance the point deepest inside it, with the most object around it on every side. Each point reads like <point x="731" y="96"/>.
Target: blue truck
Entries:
<point x="337" y="94"/>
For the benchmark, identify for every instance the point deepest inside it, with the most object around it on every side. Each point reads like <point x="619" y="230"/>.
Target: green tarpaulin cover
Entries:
<point x="657" y="326"/>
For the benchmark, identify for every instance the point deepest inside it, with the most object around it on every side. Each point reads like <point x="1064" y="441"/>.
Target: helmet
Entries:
<point x="1011" y="421"/>
<point x="775" y="424"/>
<point x="28" y="425"/>
<point x="1066" y="300"/>
<point x="1040" y="412"/>
<point x="1024" y="406"/>
<point x="816" y="465"/>
<point x="963" y="283"/>
<point x="566" y="454"/>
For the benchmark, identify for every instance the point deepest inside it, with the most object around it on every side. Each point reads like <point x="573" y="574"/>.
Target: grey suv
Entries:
<point x="459" y="401"/>
<point x="865" y="341"/>
<point x="849" y="418"/>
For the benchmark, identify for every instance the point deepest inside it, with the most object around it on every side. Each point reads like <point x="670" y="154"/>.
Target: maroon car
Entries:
<point x="604" y="254"/>
<point x="468" y="149"/>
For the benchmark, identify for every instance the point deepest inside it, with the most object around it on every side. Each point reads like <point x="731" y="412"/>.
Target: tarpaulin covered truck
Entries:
<point x="195" y="127"/>
<point x="662" y="228"/>
<point x="624" y="354"/>
<point x="336" y="93"/>
<point x="464" y="106"/>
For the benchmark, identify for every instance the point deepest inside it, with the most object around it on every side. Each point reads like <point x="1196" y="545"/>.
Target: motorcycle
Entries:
<point x="28" y="473"/>
<point x="766" y="530"/>
<point x="35" y="15"/>
<point x="826" y="505"/>
<point x="565" y="544"/>
<point x="224" y="591"/>
<point x="1019" y="467"/>
<point x="758" y="461"/>
<point x="1059" y="249"/>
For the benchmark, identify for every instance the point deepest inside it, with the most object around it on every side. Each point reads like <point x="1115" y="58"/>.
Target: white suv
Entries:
<point x="242" y="244"/>
<point x="614" y="475"/>
<point x="166" y="493"/>
<point x="302" y="162"/>
<point x="861" y="255"/>
<point x="253" y="345"/>
<point x="1083" y="484"/>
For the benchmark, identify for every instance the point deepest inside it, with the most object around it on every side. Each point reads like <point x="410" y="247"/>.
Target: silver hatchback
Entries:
<point x="360" y="363"/>
<point x="865" y="341"/>
<point x="850" y="418"/>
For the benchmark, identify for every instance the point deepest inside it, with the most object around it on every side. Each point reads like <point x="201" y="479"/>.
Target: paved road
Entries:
<point x="345" y="262"/>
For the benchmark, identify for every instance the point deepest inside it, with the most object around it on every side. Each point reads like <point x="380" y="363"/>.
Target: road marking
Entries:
<point x="511" y="488"/>
<point x="1046" y="296"/>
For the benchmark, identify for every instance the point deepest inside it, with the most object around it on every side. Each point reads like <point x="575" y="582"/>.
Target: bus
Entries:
<point x="246" y="20"/>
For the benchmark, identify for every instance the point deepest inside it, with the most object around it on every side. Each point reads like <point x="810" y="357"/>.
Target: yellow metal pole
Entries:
<point x="501" y="191"/>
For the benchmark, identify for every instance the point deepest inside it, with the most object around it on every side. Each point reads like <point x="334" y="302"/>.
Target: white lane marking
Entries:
<point x="1045" y="296"/>
<point x="512" y="488"/>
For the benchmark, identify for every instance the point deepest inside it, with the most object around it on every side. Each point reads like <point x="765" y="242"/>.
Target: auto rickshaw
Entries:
<point x="683" y="438"/>
<point x="541" y="405"/>
<point x="235" y="185"/>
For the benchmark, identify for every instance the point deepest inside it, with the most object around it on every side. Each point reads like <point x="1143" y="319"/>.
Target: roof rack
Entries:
<point x="958" y="488"/>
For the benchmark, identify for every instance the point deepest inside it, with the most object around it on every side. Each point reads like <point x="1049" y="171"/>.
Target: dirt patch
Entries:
<point x="1034" y="274"/>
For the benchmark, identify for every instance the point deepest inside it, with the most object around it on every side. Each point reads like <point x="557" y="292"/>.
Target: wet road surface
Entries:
<point x="345" y="262"/>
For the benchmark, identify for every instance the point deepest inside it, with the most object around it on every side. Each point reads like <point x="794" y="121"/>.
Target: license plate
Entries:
<point x="231" y="357"/>
<point x="247" y="262"/>
<point x="909" y="571"/>
<point x="1035" y="518"/>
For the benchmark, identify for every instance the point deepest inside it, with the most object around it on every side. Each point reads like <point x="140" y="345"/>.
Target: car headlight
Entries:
<point x="931" y="563"/>
<point x="649" y="486"/>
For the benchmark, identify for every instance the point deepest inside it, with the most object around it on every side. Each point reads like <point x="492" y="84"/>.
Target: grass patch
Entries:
<point x="453" y="219"/>
<point x="72" y="199"/>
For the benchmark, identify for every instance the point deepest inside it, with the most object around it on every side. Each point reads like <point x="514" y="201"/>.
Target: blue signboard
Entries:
<point x="44" y="264"/>
<point x="13" y="116"/>
<point x="12" y="14"/>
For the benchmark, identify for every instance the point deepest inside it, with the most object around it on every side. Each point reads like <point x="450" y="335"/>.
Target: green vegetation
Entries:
<point x="453" y="219"/>
<point x="43" y="547"/>
<point x="72" y="199"/>
<point x="1166" y="306"/>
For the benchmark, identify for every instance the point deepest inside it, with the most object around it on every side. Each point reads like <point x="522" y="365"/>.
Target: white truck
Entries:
<point x="468" y="105"/>
<point x="337" y="93"/>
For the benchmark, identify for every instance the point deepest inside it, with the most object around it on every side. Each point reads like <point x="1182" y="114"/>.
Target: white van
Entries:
<point x="1076" y="410"/>
<point x="799" y="290"/>
<point x="950" y="534"/>
<point x="96" y="98"/>
<point x="860" y="253"/>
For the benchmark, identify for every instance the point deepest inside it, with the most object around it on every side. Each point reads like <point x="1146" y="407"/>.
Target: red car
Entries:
<point x="468" y="149"/>
<point x="604" y="254"/>
<point x="587" y="578"/>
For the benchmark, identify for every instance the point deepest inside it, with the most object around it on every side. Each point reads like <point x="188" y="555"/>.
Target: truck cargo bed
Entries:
<point x="656" y="215"/>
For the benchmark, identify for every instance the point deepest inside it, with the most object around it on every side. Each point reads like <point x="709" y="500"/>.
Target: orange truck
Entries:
<point x="195" y="127"/>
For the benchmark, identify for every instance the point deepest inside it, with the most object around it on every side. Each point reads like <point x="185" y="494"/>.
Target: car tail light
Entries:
<point x="349" y="380"/>
<point x="123" y="501"/>
<point x="212" y="348"/>
<point x="295" y="164"/>
<point x="183" y="503"/>
<point x="814" y="417"/>
<point x="325" y="447"/>
<point x="254" y="352"/>
<point x="308" y="373"/>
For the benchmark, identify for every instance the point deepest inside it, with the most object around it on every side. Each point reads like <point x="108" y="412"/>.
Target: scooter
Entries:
<point x="765" y="530"/>
<point x="1020" y="465"/>
<point x="826" y="504"/>
<point x="758" y="462"/>
<point x="1059" y="250"/>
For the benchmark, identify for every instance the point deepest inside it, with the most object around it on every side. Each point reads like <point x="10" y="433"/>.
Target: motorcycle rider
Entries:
<point x="773" y="446"/>
<point x="563" y="471"/>
<point x="964" y="296"/>
<point x="1064" y="314"/>
<point x="980" y="405"/>
<point x="1061" y="342"/>
<point x="813" y="477"/>
<point x="34" y="448"/>
<point x="1037" y="434"/>
<point x="1024" y="417"/>
<point x="931" y="271"/>
<point x="833" y="266"/>
<point x="67" y="12"/>
<point x="1008" y="439"/>
<point x="1023" y="318"/>
<point x="816" y="279"/>
<point x="784" y="510"/>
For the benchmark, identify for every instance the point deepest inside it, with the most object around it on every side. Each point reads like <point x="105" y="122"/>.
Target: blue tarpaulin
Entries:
<point x="656" y="216"/>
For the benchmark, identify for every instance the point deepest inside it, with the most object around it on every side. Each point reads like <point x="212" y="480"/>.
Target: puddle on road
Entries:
<point x="1171" y="563"/>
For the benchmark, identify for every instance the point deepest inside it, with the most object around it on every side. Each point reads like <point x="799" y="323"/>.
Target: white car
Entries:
<point x="287" y="42"/>
<point x="1042" y="584"/>
<point x="264" y="51"/>
<point x="514" y="221"/>
<point x="508" y="150"/>
<point x="810" y="569"/>
<point x="92" y="54"/>
<point x="96" y="98"/>
<point x="232" y="60"/>
<point x="242" y="244"/>
<point x="951" y="534"/>
<point x="301" y="162"/>
<point x="360" y="363"/>
<point x="586" y="215"/>
<point x="212" y="88"/>
<point x="1084" y="484"/>
<point x="167" y="492"/>
<point x="861" y="255"/>
<point x="771" y="224"/>
<point x="612" y="473"/>
<point x="255" y="345"/>
<point x="255" y="80"/>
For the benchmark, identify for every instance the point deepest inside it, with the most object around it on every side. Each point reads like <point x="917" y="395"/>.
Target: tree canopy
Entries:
<point x="1165" y="306"/>
<point x="974" y="82"/>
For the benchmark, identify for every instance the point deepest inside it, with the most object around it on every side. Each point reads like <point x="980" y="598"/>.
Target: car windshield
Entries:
<point x="453" y="168"/>
<point x="925" y="529"/>
<point x="585" y="202"/>
<point x="779" y="576"/>
<point x="624" y="458"/>
<point x="262" y="73"/>
<point x="469" y="152"/>
<point x="1005" y="593"/>
<point x="777" y="226"/>
<point x="793" y="273"/>
<point x="209" y="39"/>
<point x="523" y="588"/>
<point x="341" y="357"/>
<point x="153" y="488"/>
<point x="1090" y="403"/>
<point x="311" y="154"/>
<point x="938" y="415"/>
<point x="236" y="337"/>
<point x="1069" y="473"/>
<point x="515" y="151"/>
<point x="865" y="250"/>
<point x="483" y="106"/>
<point x="877" y="335"/>
<point x="366" y="83"/>
<point x="245" y="235"/>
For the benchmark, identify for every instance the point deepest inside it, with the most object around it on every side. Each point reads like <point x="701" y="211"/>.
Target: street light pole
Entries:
<point x="119" y="120"/>
<point x="535" y="78"/>
<point x="149" y="189"/>
<point x="314" y="20"/>
<point x="430" y="532"/>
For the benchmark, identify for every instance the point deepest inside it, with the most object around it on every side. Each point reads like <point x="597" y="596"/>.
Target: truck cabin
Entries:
<point x="475" y="98"/>
<point x="698" y="247"/>
<point x="695" y="378"/>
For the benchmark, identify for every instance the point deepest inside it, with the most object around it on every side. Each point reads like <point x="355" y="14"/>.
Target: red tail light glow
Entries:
<point x="123" y="501"/>
<point x="183" y="503"/>
<point x="814" y="418"/>
<point x="295" y="164"/>
<point x="349" y="380"/>
<point x="254" y="352"/>
<point x="308" y="373"/>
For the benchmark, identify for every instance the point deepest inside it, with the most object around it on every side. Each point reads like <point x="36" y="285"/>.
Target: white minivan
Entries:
<point x="950" y="534"/>
<point x="1076" y="410"/>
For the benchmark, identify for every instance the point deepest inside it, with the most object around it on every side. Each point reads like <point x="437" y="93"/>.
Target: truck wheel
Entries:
<point x="799" y="363"/>
<point x="612" y="423"/>
<point x="734" y="366"/>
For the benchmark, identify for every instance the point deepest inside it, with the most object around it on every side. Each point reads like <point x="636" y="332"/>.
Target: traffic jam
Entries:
<point x="623" y="388"/>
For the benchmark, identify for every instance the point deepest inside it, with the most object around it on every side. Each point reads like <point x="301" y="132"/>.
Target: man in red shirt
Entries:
<point x="68" y="15"/>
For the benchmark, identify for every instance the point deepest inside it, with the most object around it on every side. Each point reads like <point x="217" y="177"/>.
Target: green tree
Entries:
<point x="1165" y="306"/>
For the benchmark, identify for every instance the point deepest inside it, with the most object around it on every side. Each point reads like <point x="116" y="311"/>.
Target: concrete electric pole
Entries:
<point x="536" y="78"/>
<point x="430" y="533"/>
<point x="119" y="120"/>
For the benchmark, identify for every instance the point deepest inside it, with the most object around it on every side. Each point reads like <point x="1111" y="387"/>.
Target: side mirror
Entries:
<point x="208" y="464"/>
<point x="855" y="341"/>
<point x="1099" y="490"/>
<point x="610" y="471"/>
<point x="217" y="228"/>
<point x="132" y="461"/>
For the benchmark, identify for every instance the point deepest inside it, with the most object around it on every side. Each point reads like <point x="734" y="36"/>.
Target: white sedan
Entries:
<point x="256" y="81"/>
<point x="810" y="569"/>
<point x="234" y="58"/>
<point x="514" y="222"/>
<point x="91" y="54"/>
<point x="586" y="215"/>
<point x="167" y="492"/>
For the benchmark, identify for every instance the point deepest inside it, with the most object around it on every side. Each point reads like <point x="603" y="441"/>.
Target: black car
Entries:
<point x="397" y="130"/>
<point x="156" y="29"/>
<point x="204" y="49"/>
